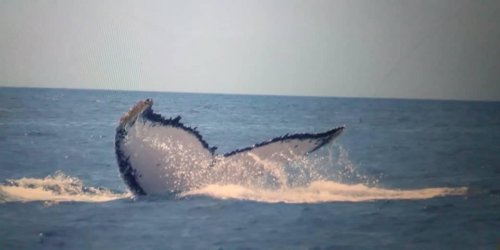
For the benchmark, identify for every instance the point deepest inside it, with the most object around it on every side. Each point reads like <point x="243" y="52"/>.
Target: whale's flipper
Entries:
<point x="157" y="155"/>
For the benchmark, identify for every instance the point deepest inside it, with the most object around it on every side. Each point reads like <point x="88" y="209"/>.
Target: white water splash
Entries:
<point x="55" y="188"/>
<point x="314" y="179"/>
<point x="321" y="191"/>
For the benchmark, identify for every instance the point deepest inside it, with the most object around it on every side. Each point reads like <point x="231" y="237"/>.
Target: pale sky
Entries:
<point x="446" y="49"/>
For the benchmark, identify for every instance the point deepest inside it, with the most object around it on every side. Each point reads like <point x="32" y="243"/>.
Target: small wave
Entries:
<point x="38" y="134"/>
<point x="321" y="191"/>
<point x="55" y="188"/>
<point x="6" y="110"/>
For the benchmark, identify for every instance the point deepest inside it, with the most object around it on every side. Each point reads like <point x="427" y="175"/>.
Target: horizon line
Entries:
<point x="253" y="94"/>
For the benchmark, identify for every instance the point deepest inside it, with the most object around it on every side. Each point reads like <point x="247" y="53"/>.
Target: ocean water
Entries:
<point x="405" y="174"/>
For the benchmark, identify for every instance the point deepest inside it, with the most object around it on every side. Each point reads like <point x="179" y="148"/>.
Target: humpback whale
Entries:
<point x="157" y="155"/>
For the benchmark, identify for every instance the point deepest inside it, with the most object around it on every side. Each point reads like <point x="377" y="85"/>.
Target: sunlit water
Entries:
<point x="405" y="174"/>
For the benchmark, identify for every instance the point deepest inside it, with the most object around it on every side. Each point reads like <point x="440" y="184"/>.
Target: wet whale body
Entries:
<point x="156" y="155"/>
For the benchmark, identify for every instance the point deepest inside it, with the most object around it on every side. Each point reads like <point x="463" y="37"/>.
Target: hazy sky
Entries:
<point x="446" y="49"/>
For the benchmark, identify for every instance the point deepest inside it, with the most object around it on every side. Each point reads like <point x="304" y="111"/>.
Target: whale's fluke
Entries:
<point x="288" y="146"/>
<point x="157" y="155"/>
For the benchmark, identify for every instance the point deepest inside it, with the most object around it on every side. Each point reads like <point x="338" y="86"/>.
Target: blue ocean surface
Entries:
<point x="405" y="174"/>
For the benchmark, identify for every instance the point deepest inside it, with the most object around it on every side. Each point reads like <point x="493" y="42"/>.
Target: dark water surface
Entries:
<point x="388" y="144"/>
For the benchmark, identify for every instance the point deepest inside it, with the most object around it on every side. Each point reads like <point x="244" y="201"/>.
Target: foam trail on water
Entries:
<point x="321" y="191"/>
<point x="55" y="188"/>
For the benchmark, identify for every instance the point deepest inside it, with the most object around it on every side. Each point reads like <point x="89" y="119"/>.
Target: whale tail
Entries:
<point x="156" y="155"/>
